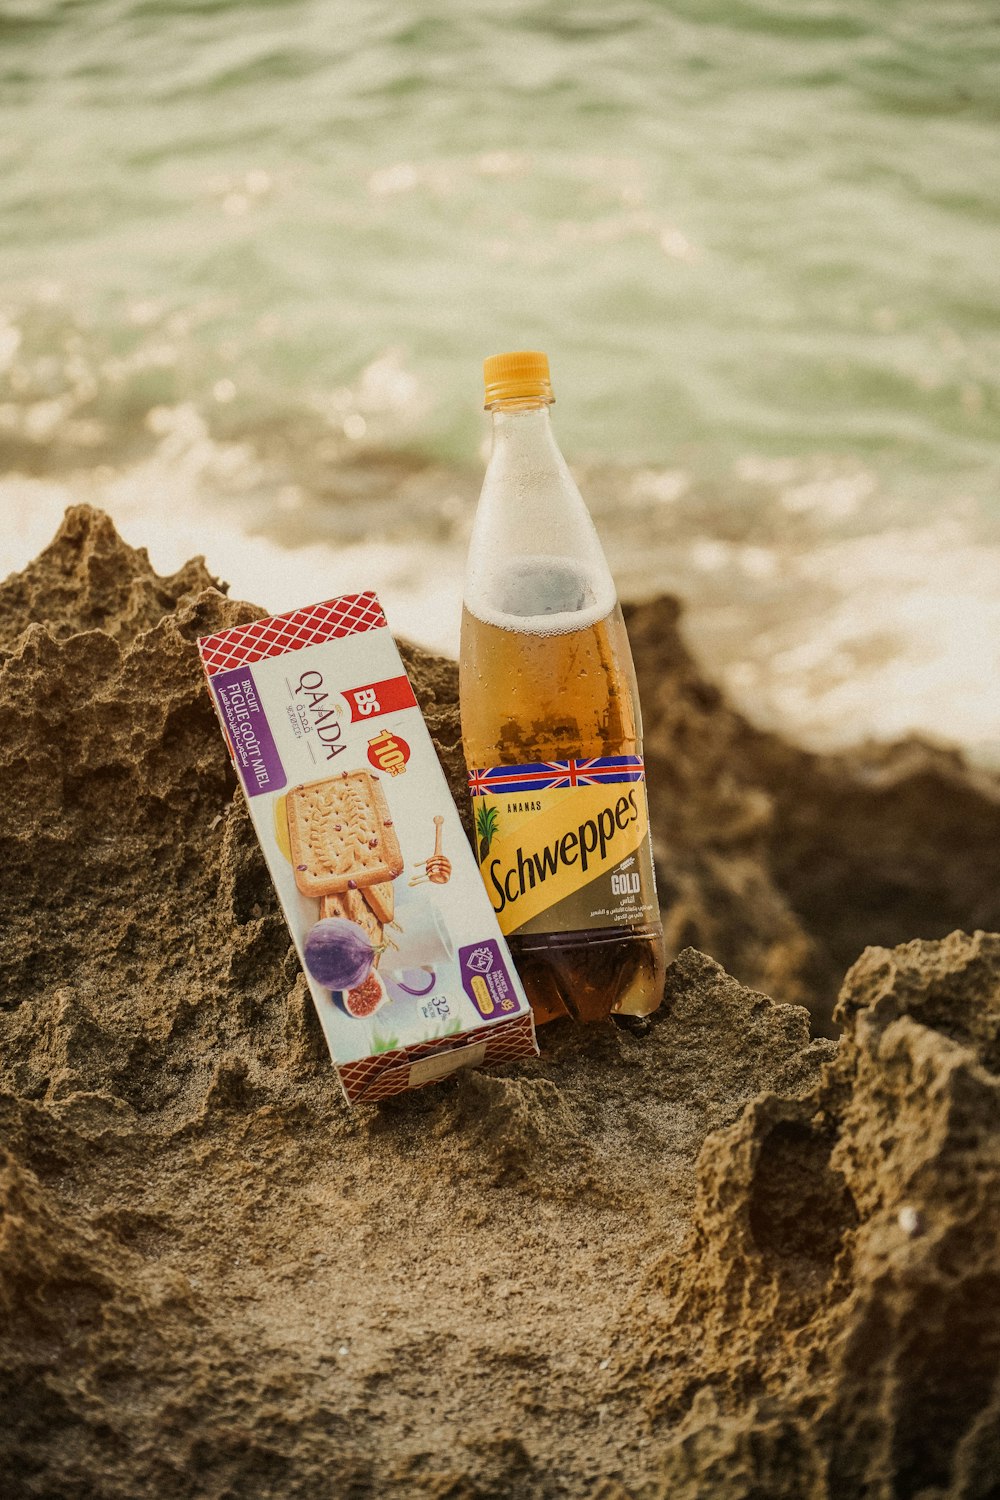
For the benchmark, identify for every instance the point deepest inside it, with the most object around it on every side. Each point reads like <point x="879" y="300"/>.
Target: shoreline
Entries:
<point x="823" y="618"/>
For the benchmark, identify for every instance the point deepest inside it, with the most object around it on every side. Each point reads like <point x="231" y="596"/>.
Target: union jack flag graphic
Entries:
<point x="544" y="776"/>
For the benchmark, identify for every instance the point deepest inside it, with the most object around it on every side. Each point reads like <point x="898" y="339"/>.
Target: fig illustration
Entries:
<point x="338" y="953"/>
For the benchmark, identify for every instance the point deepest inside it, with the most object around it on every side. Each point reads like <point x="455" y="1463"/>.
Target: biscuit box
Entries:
<point x="392" y="924"/>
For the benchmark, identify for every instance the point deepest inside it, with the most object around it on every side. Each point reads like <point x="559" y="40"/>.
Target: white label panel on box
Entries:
<point x="446" y="1062"/>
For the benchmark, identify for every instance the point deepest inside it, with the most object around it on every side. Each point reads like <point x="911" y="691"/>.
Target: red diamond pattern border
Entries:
<point x="374" y="1078"/>
<point x="351" y="614"/>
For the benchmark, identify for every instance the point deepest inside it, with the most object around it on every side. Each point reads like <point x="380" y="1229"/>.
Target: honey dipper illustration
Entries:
<point x="437" y="868"/>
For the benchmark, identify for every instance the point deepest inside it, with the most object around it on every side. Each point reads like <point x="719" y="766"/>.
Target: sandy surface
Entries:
<point x="705" y="1256"/>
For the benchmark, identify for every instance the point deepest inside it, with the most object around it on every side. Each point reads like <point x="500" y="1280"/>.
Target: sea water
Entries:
<point x="247" y="248"/>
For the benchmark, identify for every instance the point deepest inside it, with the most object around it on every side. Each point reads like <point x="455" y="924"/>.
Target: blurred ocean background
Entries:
<point x="252" y="255"/>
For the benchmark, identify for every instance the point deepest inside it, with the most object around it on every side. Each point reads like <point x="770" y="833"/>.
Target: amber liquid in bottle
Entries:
<point x="528" y="695"/>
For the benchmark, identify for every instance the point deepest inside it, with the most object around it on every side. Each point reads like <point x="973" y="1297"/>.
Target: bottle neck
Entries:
<point x="534" y="554"/>
<point x="522" y="435"/>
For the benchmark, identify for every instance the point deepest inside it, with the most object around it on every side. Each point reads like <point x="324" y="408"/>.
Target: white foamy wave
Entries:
<point x="878" y="636"/>
<point x="829" y="640"/>
<point x="169" y="504"/>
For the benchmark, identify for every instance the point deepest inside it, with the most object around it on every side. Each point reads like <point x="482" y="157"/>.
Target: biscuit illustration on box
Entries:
<point x="352" y="906"/>
<point x="382" y="900"/>
<point x="341" y="835"/>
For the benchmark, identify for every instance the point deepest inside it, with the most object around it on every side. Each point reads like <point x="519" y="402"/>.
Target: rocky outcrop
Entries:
<point x="215" y="1279"/>
<point x="833" y="1325"/>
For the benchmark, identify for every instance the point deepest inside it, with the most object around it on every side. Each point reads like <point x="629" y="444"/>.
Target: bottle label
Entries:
<point x="564" y="845"/>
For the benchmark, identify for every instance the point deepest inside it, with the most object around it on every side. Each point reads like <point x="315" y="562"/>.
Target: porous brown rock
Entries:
<point x="832" y="1327"/>
<point x="215" y="1279"/>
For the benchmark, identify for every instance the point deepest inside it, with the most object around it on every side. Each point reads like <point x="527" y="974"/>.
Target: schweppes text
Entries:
<point x="565" y="857"/>
<point x="591" y="837"/>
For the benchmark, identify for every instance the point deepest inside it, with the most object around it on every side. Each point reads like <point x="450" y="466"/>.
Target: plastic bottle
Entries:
<point x="551" y="726"/>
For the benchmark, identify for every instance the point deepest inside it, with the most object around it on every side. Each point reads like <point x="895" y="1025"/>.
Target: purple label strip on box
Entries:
<point x="248" y="732"/>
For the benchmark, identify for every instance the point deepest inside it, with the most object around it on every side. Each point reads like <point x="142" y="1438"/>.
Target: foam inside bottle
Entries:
<point x="535" y="563"/>
<point x="541" y="594"/>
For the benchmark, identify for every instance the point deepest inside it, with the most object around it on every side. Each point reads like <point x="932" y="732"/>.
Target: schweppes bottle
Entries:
<point x="551" y="726"/>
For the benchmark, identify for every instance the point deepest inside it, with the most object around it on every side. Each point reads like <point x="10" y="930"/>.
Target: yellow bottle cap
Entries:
<point x="521" y="376"/>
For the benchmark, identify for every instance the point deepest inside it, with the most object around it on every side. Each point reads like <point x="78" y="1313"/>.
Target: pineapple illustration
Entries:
<point x="486" y="827"/>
